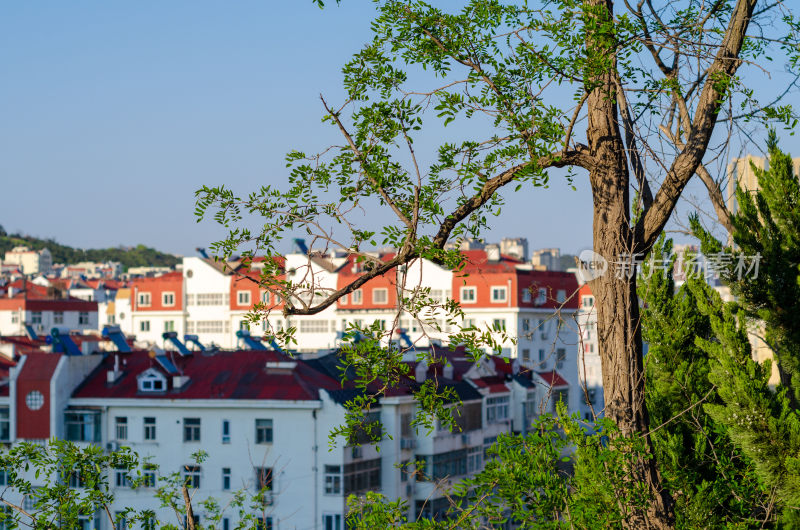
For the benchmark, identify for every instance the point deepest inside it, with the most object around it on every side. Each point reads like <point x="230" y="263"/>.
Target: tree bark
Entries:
<point x="618" y="323"/>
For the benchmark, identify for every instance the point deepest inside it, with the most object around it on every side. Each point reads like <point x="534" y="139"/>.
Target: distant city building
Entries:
<point x="29" y="261"/>
<point x="548" y="259"/>
<point x="24" y="303"/>
<point x="590" y="367"/>
<point x="515" y="247"/>
<point x="92" y="270"/>
<point x="146" y="272"/>
<point x="740" y="170"/>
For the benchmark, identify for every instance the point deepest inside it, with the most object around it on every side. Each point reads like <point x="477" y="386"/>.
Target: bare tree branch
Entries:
<point x="686" y="163"/>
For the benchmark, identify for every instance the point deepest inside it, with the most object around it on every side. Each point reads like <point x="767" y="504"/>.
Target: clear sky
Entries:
<point x="113" y="113"/>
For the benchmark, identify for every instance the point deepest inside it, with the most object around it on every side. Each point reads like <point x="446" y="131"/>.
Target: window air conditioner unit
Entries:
<point x="465" y="439"/>
<point x="268" y="498"/>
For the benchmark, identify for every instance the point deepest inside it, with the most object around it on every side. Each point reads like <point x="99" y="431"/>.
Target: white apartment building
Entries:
<point x="30" y="261"/>
<point x="264" y="418"/>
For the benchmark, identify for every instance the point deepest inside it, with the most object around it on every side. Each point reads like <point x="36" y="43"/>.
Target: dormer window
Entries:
<point x="152" y="381"/>
<point x="541" y="299"/>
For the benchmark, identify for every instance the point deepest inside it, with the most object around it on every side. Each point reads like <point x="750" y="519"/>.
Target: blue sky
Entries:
<point x="113" y="113"/>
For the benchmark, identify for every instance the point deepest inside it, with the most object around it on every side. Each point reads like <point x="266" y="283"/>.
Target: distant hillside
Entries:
<point x="138" y="256"/>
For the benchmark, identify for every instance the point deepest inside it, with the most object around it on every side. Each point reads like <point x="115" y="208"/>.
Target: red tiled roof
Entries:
<point x="39" y="366"/>
<point x="553" y="379"/>
<point x="477" y="262"/>
<point x="23" y="341"/>
<point x="222" y="375"/>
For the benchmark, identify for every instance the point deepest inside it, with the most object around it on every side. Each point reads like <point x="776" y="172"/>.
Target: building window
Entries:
<point x="243" y="297"/>
<point x="36" y="317"/>
<point x="497" y="409"/>
<point x="82" y="426"/>
<point x="75" y="481"/>
<point x="191" y="476"/>
<point x="207" y="326"/>
<point x="442" y="465"/>
<point x="226" y="478"/>
<point x="526" y="324"/>
<point x="474" y="459"/>
<point x="226" y="431"/>
<point x="333" y="480"/>
<point x="588" y="301"/>
<point x="58" y="317"/>
<point x="499" y="324"/>
<point x="149" y="476"/>
<point x="362" y="476"/>
<point x="357" y="297"/>
<point x="152" y="382"/>
<point x="526" y="355"/>
<point x="150" y="429"/>
<point x="83" y="318"/>
<point x="469" y="295"/>
<point x="312" y="326"/>
<point x="207" y="299"/>
<point x="542" y="297"/>
<point x="264" y="523"/>
<point x="561" y="296"/>
<point x="34" y="400"/>
<point x="15" y="317"/>
<point x="332" y="521"/>
<point x="143" y="300"/>
<point x="121" y="479"/>
<point x="380" y="296"/>
<point x="144" y="325"/>
<point x="191" y="429"/>
<point x="263" y="476"/>
<point x="5" y="426"/>
<point x="120" y="523"/>
<point x="168" y="299"/>
<point x="263" y="431"/>
<point x="561" y="356"/>
<point x="498" y="294"/>
<point x="526" y="295"/>
<point x="121" y="428"/>
<point x="169" y="325"/>
<point x="29" y="502"/>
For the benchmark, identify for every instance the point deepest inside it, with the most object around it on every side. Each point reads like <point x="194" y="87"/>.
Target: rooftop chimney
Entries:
<point x="113" y="375"/>
<point x="447" y="371"/>
<point x="421" y="371"/>
<point x="493" y="253"/>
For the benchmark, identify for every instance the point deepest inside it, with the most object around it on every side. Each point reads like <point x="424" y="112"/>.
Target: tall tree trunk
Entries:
<point x="618" y="328"/>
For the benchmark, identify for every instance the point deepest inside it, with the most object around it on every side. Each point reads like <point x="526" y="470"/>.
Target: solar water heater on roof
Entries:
<point x="167" y="364"/>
